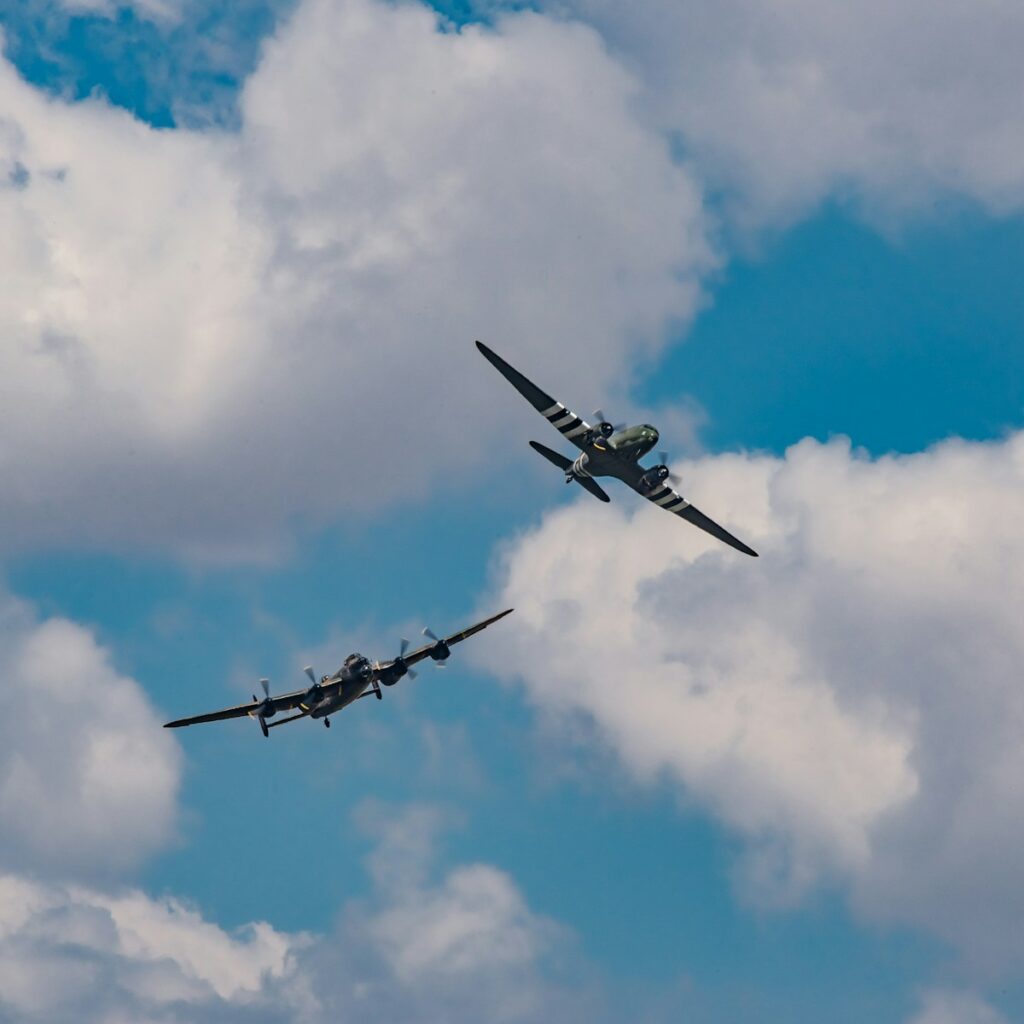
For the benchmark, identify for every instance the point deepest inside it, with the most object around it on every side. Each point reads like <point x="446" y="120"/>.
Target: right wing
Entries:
<point x="286" y="702"/>
<point x="564" y="420"/>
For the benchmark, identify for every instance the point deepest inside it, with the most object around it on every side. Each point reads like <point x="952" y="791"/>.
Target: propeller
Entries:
<point x="603" y="427"/>
<point x="403" y="646"/>
<point x="440" y="650"/>
<point x="673" y="477"/>
<point x="266" y="708"/>
<point x="398" y="667"/>
<point x="314" y="693"/>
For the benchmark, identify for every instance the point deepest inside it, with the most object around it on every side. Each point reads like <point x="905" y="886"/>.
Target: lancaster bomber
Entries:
<point x="358" y="677"/>
<point x="607" y="450"/>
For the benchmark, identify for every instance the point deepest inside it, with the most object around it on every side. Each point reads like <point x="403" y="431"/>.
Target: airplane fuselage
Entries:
<point x="618" y="454"/>
<point x="348" y="684"/>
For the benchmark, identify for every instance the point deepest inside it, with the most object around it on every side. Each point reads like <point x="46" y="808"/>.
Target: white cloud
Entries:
<point x="155" y="10"/>
<point x="88" y="779"/>
<point x="460" y="947"/>
<point x="73" y="953"/>
<point x="849" y="703"/>
<point x="950" y="1007"/>
<point x="786" y="103"/>
<point x="211" y="338"/>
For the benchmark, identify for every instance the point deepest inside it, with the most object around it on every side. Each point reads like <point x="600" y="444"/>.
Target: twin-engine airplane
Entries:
<point x="608" y="451"/>
<point x="357" y="677"/>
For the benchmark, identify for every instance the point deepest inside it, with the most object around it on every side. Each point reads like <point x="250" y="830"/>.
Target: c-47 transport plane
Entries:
<point x="357" y="677"/>
<point x="608" y="451"/>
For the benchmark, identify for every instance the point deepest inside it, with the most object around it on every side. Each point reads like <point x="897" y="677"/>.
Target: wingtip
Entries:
<point x="490" y="355"/>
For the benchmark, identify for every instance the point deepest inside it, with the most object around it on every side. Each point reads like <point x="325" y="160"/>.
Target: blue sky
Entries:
<point x="340" y="508"/>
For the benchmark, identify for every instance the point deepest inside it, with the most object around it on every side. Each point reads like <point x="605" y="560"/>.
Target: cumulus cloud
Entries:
<point x="785" y="103"/>
<point x="850" y="703"/>
<point x="88" y="779"/>
<point x="212" y="337"/>
<point x="462" y="946"/>
<point x="73" y="953"/>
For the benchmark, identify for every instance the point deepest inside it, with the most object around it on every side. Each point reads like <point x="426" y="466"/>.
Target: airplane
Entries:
<point x="356" y="678"/>
<point x="608" y="451"/>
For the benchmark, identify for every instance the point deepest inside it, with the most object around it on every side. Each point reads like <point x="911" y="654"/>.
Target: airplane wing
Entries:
<point x="422" y="652"/>
<point x="564" y="420"/>
<point x="666" y="498"/>
<point x="286" y="702"/>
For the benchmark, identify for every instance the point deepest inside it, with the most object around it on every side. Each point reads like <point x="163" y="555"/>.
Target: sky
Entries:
<point x="246" y="250"/>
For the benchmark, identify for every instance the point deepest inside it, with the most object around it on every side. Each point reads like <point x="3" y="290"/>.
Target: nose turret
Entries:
<point x="356" y="667"/>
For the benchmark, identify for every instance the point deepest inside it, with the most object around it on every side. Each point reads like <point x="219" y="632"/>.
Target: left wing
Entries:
<point x="666" y="498"/>
<point x="422" y="652"/>
<point x="564" y="420"/>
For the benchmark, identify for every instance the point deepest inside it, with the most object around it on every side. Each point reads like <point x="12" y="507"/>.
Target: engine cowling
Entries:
<point x="654" y="477"/>
<point x="395" y="671"/>
<point x="313" y="696"/>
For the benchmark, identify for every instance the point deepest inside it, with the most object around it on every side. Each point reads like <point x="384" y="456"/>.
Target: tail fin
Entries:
<point x="565" y="465"/>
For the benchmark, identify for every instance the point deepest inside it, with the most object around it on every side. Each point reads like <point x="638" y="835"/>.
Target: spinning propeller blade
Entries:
<point x="260" y="715"/>
<point x="602" y="425"/>
<point x="403" y="646"/>
<point x="673" y="477"/>
<point x="441" y="649"/>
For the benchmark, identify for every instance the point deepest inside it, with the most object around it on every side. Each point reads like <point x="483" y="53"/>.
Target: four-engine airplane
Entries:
<point x="608" y="451"/>
<point x="357" y="677"/>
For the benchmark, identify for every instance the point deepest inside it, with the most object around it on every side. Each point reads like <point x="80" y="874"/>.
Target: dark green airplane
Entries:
<point x="356" y="678"/>
<point x="608" y="451"/>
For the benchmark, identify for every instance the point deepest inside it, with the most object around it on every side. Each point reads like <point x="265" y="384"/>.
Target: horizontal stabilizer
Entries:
<point x="565" y="465"/>
<point x="560" y="461"/>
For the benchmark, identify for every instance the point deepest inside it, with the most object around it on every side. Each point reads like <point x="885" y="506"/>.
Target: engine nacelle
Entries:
<point x="440" y="651"/>
<point x="323" y="707"/>
<point x="654" y="477"/>
<point x="393" y="673"/>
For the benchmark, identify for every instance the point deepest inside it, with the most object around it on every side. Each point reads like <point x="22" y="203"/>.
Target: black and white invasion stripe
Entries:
<point x="566" y="420"/>
<point x="668" y="499"/>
